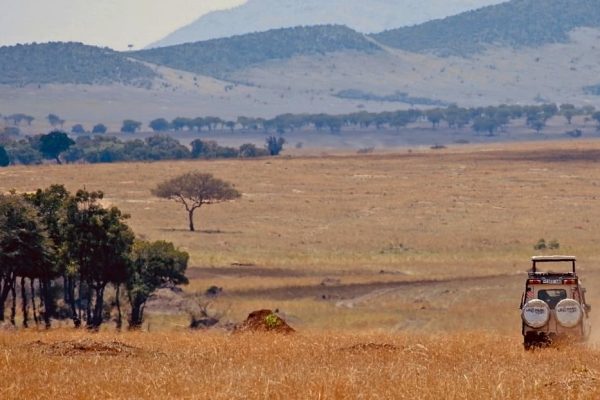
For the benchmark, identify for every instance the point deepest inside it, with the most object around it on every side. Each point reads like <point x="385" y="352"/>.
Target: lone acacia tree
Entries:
<point x="195" y="189"/>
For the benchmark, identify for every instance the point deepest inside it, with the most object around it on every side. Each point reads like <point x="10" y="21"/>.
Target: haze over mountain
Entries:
<point x="521" y="52"/>
<point x="363" y="16"/>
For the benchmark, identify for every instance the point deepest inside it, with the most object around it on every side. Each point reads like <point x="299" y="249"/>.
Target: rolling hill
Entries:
<point x="219" y="57"/>
<point x="486" y="59"/>
<point x="69" y="63"/>
<point x="363" y="16"/>
<point x="518" y="23"/>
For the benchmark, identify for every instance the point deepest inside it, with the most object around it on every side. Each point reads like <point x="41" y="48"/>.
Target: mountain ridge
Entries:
<point x="517" y="23"/>
<point x="365" y="17"/>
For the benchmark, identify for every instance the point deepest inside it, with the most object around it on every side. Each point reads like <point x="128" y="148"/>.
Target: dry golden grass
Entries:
<point x="365" y="220"/>
<point x="425" y="254"/>
<point x="67" y="364"/>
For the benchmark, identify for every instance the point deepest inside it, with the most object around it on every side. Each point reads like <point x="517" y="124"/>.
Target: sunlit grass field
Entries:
<point x="66" y="364"/>
<point x="402" y="272"/>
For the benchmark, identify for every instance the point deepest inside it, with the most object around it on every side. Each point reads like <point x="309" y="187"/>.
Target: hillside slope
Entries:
<point x="64" y="63"/>
<point x="363" y="16"/>
<point x="517" y="23"/>
<point x="220" y="56"/>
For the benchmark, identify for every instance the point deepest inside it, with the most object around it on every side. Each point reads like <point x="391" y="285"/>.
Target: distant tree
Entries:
<point x="230" y="125"/>
<point x="434" y="116"/>
<point x="99" y="128"/>
<point x="130" y="126"/>
<point x="248" y="150"/>
<point x="180" y="123"/>
<point x="568" y="111"/>
<point x="537" y="123"/>
<point x="55" y="120"/>
<point x="54" y="143"/>
<point x="274" y="145"/>
<point x="4" y="160"/>
<point x="194" y="190"/>
<point x="596" y="117"/>
<point x="152" y="265"/>
<point x="16" y="119"/>
<point x="160" y="125"/>
<point x="485" y="124"/>
<point x="78" y="129"/>
<point x="22" y="152"/>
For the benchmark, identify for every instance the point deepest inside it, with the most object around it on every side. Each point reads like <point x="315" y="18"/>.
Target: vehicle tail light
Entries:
<point x="534" y="281"/>
<point x="569" y="281"/>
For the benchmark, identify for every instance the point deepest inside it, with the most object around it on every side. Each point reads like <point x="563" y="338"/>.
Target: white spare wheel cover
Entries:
<point x="536" y="313"/>
<point x="568" y="313"/>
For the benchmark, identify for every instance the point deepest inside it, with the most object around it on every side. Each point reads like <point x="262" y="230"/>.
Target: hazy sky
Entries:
<point x="112" y="23"/>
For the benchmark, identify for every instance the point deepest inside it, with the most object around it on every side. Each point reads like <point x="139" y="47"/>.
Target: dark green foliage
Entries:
<point x="78" y="129"/>
<point x="159" y="125"/>
<point x="152" y="265"/>
<point x="180" y="123"/>
<point x="249" y="150"/>
<point x="22" y="152"/>
<point x="4" y="160"/>
<point x="98" y="243"/>
<point x="516" y="23"/>
<point x="53" y="144"/>
<point x="99" y="128"/>
<point x="274" y="145"/>
<point x="485" y="125"/>
<point x="24" y="250"/>
<point x="130" y="126"/>
<point x="72" y="246"/>
<point x="220" y="57"/>
<point x="211" y="149"/>
<point x="69" y="63"/>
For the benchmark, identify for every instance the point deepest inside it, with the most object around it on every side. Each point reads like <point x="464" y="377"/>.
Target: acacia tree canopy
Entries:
<point x="54" y="143"/>
<point x="195" y="189"/>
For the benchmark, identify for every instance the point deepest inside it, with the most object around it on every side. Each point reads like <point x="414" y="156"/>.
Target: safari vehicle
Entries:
<point x="553" y="304"/>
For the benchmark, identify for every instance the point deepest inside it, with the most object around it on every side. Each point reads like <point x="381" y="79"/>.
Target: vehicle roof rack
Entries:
<point x="553" y="258"/>
<point x="547" y="259"/>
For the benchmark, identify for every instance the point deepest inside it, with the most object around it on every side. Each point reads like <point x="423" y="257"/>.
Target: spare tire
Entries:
<point x="568" y="313"/>
<point x="535" y="313"/>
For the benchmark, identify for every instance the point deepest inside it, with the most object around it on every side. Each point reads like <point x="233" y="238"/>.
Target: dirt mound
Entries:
<point x="85" y="347"/>
<point x="264" y="321"/>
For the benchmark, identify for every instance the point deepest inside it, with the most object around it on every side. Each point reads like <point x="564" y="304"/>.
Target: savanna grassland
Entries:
<point x="401" y="272"/>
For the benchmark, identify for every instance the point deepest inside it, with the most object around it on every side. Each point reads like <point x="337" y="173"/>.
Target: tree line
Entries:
<point x="58" y="146"/>
<point x="59" y="252"/>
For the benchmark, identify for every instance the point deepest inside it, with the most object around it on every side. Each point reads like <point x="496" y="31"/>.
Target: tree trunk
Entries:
<point x="13" y="308"/>
<point x="4" y="292"/>
<point x="191" y="217"/>
<point x="48" y="301"/>
<point x="24" y="304"/>
<point x="98" y="307"/>
<point x="137" y="313"/>
<point x="33" y="308"/>
<point x="71" y="294"/>
<point x="118" y="301"/>
<point x="58" y="160"/>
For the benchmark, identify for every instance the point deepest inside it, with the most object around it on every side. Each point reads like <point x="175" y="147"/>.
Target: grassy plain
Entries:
<point x="66" y="364"/>
<point x="402" y="271"/>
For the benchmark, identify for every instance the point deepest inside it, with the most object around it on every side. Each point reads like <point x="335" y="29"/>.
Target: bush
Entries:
<point x="540" y="245"/>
